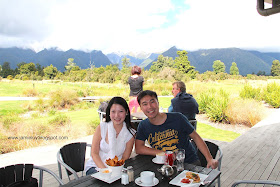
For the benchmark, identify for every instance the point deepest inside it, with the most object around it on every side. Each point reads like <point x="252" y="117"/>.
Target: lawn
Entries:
<point x="7" y="107"/>
<point x="78" y="122"/>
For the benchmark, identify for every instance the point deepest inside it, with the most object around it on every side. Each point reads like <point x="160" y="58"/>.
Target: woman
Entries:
<point x="114" y="137"/>
<point x="136" y="83"/>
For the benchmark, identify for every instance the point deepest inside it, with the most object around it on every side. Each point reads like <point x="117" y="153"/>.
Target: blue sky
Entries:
<point x="136" y="25"/>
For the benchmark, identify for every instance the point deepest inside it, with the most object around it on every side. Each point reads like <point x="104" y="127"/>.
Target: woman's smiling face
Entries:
<point x="117" y="114"/>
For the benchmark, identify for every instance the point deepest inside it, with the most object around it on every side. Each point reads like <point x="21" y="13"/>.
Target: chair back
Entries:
<point x="213" y="148"/>
<point x="194" y="123"/>
<point x="13" y="173"/>
<point x="74" y="156"/>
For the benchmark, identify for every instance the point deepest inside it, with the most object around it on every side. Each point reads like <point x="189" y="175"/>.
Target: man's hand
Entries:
<point x="213" y="164"/>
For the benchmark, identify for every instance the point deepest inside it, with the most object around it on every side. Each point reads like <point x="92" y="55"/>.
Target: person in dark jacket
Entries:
<point x="182" y="101"/>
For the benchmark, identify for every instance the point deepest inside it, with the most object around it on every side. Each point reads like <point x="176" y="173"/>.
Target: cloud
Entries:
<point x="126" y="25"/>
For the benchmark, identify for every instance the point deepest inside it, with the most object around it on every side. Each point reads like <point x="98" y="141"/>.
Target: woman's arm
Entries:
<point x="128" y="149"/>
<point x="95" y="147"/>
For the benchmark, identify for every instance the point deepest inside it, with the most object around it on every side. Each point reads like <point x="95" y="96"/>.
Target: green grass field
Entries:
<point x="82" y="122"/>
<point x="11" y="107"/>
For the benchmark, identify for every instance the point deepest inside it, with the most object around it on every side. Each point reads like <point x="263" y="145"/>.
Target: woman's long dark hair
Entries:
<point x="120" y="101"/>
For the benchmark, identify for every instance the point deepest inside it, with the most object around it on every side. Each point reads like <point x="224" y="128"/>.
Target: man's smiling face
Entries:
<point x="150" y="106"/>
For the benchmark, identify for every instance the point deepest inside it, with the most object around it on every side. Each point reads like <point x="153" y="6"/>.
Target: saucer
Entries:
<point x="156" y="161"/>
<point x="113" y="178"/>
<point x="139" y="183"/>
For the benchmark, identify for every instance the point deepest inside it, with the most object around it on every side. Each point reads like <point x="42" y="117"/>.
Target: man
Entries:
<point x="167" y="131"/>
<point x="182" y="101"/>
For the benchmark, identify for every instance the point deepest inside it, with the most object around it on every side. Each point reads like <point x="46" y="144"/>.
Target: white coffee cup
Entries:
<point x="147" y="177"/>
<point x="161" y="157"/>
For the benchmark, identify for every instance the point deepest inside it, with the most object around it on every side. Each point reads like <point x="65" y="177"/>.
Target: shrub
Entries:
<point x="246" y="112"/>
<point x="60" y="120"/>
<point x="81" y="93"/>
<point x="10" y="77"/>
<point x="25" y="78"/>
<point x="165" y="92"/>
<point x="52" y="112"/>
<point x="30" y="92"/>
<point x="204" y="98"/>
<point x="9" y="119"/>
<point x="206" y="76"/>
<point x="41" y="104"/>
<point x="272" y="94"/>
<point x="214" y="104"/>
<point x="63" y="99"/>
<point x="248" y="92"/>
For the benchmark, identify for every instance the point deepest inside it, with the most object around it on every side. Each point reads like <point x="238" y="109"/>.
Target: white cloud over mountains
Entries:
<point x="132" y="25"/>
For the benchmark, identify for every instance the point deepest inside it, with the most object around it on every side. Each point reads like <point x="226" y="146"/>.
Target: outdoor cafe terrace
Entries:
<point x="255" y="155"/>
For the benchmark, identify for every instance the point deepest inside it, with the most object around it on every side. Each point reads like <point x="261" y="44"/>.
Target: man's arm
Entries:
<point x="140" y="148"/>
<point x="204" y="150"/>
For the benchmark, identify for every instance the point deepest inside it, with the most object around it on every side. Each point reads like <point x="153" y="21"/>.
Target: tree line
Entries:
<point x="164" y="68"/>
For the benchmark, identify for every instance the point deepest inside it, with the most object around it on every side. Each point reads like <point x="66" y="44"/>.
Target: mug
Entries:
<point x="160" y="157"/>
<point x="147" y="177"/>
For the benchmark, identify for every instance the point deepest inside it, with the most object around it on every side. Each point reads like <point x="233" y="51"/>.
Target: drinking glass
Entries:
<point x="180" y="157"/>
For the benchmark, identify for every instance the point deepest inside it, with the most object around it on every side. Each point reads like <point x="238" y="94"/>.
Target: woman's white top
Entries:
<point x="115" y="147"/>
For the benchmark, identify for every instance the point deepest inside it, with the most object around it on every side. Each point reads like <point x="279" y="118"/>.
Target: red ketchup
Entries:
<point x="187" y="181"/>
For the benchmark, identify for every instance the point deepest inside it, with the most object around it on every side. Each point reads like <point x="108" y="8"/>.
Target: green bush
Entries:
<point x="52" y="112"/>
<point x="248" y="92"/>
<point x="204" y="98"/>
<point x="165" y="92"/>
<point x="10" y="119"/>
<point x="81" y="93"/>
<point x="60" y="120"/>
<point x="214" y="104"/>
<point x="63" y="99"/>
<point x="25" y="78"/>
<point x="272" y="94"/>
<point x="10" y="77"/>
<point x="41" y="104"/>
<point x="30" y="92"/>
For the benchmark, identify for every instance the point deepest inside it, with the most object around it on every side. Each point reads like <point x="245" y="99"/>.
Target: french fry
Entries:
<point x="114" y="162"/>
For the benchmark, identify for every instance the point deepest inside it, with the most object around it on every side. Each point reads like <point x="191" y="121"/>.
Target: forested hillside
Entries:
<point x="248" y="62"/>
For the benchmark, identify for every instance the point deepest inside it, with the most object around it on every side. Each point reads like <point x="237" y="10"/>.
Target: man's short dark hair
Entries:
<point x="146" y="92"/>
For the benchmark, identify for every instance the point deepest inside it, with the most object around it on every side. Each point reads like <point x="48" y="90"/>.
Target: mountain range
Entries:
<point x="247" y="61"/>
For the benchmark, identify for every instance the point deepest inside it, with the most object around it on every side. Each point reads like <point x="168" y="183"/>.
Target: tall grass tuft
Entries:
<point x="245" y="111"/>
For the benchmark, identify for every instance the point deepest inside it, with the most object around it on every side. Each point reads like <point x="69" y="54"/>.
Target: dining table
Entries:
<point x="146" y="163"/>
